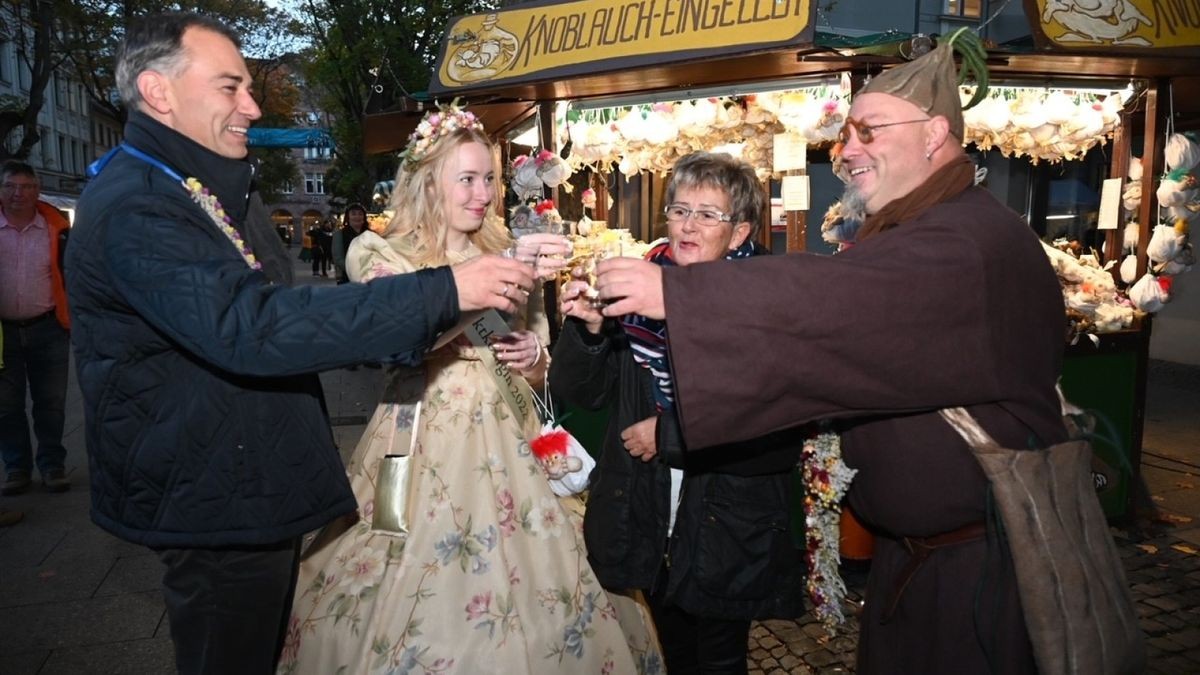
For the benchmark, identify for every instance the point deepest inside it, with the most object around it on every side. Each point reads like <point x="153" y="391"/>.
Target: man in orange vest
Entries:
<point x="33" y="310"/>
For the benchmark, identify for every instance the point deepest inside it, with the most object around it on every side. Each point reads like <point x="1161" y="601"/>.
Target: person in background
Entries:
<point x="353" y="223"/>
<point x="207" y="434"/>
<point x="33" y="311"/>
<point x="326" y="242"/>
<point x="492" y="576"/>
<point x="320" y="263"/>
<point x="945" y="300"/>
<point x="705" y="536"/>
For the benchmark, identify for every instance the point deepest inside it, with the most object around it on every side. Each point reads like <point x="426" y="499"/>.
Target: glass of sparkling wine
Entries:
<point x="607" y="250"/>
<point x="544" y="257"/>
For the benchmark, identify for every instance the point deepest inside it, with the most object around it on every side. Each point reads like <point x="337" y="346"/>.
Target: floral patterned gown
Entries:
<point x="492" y="576"/>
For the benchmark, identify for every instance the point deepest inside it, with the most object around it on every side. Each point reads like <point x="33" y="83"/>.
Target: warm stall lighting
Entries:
<point x="528" y="138"/>
<point x="742" y="89"/>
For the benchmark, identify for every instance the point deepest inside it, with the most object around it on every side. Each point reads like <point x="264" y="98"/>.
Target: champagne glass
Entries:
<point x="545" y="253"/>
<point x="607" y="250"/>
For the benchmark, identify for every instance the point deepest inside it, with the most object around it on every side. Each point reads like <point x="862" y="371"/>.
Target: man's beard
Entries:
<point x="854" y="205"/>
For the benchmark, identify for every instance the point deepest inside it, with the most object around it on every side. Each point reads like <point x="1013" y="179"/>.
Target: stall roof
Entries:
<point x="389" y="131"/>
<point x="770" y="66"/>
<point x="502" y="104"/>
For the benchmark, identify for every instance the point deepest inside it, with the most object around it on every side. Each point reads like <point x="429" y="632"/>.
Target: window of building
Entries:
<point x="314" y="183"/>
<point x="44" y="146"/>
<point x="317" y="153"/>
<point x="63" y="158"/>
<point x="24" y="75"/>
<point x="5" y="76"/>
<point x="287" y="188"/>
<point x="971" y="9"/>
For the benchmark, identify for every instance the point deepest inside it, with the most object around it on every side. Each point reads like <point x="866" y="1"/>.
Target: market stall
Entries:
<point x="620" y="91"/>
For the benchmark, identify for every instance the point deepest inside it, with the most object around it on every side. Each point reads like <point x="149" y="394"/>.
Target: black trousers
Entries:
<point x="698" y="645"/>
<point x="229" y="607"/>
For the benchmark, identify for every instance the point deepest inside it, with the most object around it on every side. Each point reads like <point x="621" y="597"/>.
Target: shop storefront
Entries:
<point x="620" y="91"/>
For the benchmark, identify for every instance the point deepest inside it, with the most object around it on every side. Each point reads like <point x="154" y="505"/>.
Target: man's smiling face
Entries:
<point x="210" y="100"/>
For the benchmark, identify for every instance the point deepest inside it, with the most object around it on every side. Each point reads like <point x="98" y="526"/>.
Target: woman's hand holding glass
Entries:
<point x="545" y="253"/>
<point x="521" y="350"/>
<point x="577" y="299"/>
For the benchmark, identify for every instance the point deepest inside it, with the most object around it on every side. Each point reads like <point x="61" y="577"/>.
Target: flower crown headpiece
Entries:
<point x="437" y="123"/>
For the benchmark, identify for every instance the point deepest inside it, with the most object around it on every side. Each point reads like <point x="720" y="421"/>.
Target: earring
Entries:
<point x="928" y="155"/>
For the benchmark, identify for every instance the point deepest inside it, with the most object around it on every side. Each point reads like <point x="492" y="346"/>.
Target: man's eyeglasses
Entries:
<point x="866" y="132"/>
<point x="19" y="187"/>
<point x="678" y="213"/>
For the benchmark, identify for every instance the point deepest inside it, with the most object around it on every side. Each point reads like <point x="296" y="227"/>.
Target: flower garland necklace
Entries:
<point x="209" y="203"/>
<point x="204" y="199"/>
<point x="827" y="478"/>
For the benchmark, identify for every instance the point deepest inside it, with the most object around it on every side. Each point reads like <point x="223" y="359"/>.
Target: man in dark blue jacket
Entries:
<point x="206" y="429"/>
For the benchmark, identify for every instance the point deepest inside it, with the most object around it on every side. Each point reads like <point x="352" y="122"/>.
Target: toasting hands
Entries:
<point x="631" y="286"/>
<point x="492" y="282"/>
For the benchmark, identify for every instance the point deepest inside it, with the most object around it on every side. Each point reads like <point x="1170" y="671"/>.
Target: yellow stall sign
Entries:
<point x="545" y="41"/>
<point x="1123" y="25"/>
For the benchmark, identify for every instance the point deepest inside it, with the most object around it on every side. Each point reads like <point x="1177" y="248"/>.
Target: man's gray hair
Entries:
<point x="155" y="42"/>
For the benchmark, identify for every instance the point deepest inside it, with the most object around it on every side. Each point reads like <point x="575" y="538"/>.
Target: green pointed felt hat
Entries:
<point x="931" y="82"/>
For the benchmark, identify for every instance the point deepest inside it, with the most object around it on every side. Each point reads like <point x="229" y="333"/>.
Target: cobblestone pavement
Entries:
<point x="1163" y="572"/>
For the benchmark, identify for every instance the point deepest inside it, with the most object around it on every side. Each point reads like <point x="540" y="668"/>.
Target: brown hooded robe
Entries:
<point x="955" y="305"/>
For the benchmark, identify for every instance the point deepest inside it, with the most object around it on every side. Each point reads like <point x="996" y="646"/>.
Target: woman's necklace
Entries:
<point x="204" y="199"/>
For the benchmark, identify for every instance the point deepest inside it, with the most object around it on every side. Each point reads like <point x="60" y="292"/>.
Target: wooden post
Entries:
<point x="1152" y="168"/>
<point x="549" y="138"/>
<point x="764" y="228"/>
<point x="1119" y="168"/>
<point x="797" y="231"/>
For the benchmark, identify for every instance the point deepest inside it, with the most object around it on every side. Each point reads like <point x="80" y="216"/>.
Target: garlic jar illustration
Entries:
<point x="483" y="54"/>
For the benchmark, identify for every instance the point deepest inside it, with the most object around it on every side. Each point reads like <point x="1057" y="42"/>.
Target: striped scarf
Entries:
<point x="648" y="337"/>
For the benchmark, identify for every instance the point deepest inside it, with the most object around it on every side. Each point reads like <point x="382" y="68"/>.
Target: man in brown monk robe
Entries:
<point x="945" y="300"/>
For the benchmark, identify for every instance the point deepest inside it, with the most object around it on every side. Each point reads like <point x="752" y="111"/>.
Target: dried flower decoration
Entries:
<point x="827" y="479"/>
<point x="437" y="123"/>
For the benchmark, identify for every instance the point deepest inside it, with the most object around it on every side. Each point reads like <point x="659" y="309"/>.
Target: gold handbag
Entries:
<point x="393" y="485"/>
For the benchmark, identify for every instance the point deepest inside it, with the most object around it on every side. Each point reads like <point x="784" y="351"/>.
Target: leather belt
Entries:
<point x="25" y="323"/>
<point x="919" y="550"/>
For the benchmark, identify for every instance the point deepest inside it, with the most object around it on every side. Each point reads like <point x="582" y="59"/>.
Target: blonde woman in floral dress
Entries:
<point x="492" y="576"/>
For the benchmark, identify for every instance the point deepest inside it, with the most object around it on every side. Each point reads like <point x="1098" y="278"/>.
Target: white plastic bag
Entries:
<point x="1148" y="294"/>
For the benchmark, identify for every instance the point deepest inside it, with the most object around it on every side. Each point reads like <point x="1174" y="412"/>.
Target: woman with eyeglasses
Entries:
<point x="705" y="536"/>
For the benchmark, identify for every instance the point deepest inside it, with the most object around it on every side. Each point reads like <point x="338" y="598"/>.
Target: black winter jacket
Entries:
<point x="205" y="421"/>
<point x="731" y="553"/>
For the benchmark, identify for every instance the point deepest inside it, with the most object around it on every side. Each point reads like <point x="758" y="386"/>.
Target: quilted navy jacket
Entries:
<point x="205" y="421"/>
